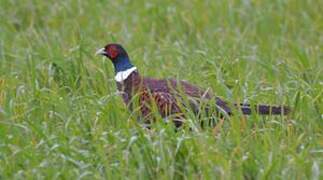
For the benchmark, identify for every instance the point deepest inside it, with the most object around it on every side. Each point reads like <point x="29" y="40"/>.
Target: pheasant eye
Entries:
<point x="113" y="52"/>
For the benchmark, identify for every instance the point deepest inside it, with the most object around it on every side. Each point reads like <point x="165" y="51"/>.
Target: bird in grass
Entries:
<point x="169" y="97"/>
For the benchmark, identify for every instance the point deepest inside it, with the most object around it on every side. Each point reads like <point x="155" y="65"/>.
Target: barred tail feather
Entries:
<point x="265" y="109"/>
<point x="247" y="109"/>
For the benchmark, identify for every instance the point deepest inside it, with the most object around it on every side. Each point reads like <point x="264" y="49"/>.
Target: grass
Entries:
<point x="60" y="116"/>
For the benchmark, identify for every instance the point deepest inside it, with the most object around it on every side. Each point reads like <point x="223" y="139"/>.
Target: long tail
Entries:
<point x="247" y="109"/>
<point x="264" y="109"/>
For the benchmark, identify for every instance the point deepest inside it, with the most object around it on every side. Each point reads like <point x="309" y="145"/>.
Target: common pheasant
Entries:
<point x="168" y="96"/>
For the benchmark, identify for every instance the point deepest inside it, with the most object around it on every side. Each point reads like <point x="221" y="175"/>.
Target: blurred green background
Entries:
<point x="60" y="115"/>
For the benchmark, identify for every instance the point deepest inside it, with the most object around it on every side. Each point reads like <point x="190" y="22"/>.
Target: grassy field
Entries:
<point x="60" y="115"/>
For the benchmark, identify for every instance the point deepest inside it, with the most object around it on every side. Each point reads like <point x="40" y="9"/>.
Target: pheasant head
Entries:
<point x="120" y="59"/>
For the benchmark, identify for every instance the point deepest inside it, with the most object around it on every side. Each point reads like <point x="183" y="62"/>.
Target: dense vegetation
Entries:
<point x="60" y="115"/>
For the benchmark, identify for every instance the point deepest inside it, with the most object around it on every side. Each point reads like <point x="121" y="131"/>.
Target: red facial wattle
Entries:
<point x="113" y="53"/>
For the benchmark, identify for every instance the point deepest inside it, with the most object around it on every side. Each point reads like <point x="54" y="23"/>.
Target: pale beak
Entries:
<point x="101" y="52"/>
